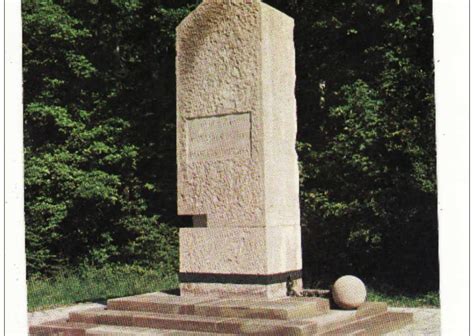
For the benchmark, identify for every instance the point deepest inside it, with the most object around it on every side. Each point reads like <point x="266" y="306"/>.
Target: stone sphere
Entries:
<point x="349" y="292"/>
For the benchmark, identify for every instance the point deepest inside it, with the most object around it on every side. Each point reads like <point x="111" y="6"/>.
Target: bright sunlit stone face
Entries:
<point x="237" y="164"/>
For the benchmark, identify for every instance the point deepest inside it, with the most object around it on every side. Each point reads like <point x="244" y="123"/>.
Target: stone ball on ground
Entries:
<point x="349" y="292"/>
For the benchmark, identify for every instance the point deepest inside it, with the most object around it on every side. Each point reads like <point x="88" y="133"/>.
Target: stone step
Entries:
<point x="361" y="332"/>
<point x="282" y="309"/>
<point x="134" y="331"/>
<point x="61" y="327"/>
<point x="213" y="324"/>
<point x="334" y="319"/>
<point x="370" y="319"/>
<point x="373" y="325"/>
<point x="158" y="302"/>
<point x="65" y="328"/>
<point x="371" y="308"/>
<point x="355" y="321"/>
<point x="277" y="309"/>
<point x="337" y="319"/>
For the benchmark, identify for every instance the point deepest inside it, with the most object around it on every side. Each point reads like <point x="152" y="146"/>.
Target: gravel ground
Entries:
<point x="427" y="321"/>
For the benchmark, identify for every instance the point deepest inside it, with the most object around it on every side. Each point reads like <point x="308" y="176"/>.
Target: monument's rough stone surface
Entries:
<point x="237" y="164"/>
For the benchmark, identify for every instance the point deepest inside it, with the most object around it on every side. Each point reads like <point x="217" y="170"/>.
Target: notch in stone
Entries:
<point x="200" y="221"/>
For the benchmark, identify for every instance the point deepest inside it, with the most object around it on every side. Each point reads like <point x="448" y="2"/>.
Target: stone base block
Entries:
<point x="237" y="290"/>
<point x="253" y="251"/>
<point x="255" y="261"/>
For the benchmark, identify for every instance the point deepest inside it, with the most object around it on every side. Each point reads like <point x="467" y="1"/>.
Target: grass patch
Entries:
<point x="430" y="299"/>
<point x="380" y="291"/>
<point x="96" y="285"/>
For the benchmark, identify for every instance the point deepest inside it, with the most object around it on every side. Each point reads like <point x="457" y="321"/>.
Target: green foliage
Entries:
<point x="100" y="136"/>
<point x="395" y="299"/>
<point x="367" y="140"/>
<point x="97" y="285"/>
<point x="98" y="175"/>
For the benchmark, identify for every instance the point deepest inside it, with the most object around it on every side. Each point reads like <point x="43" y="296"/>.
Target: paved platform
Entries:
<point x="163" y="314"/>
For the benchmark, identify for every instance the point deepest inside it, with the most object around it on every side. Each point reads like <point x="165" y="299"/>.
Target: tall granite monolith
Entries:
<point x="237" y="164"/>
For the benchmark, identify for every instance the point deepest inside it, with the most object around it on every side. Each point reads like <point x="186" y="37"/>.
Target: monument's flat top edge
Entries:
<point x="283" y="15"/>
<point x="263" y="4"/>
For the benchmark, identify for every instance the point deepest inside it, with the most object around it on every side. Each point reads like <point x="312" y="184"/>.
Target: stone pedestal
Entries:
<point x="161" y="314"/>
<point x="237" y="164"/>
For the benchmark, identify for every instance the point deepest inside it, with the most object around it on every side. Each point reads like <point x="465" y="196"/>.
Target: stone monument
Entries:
<point x="238" y="179"/>
<point x="237" y="164"/>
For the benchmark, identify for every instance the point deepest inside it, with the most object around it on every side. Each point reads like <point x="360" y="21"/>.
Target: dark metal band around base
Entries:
<point x="240" y="279"/>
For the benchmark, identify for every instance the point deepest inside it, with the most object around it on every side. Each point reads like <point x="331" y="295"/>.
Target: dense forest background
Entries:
<point x="100" y="166"/>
